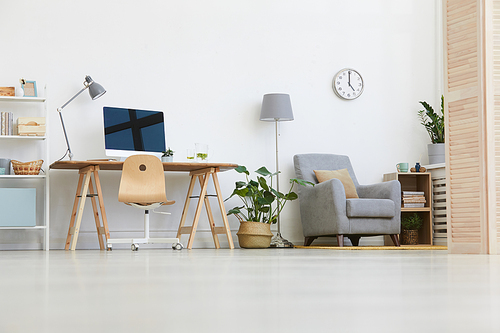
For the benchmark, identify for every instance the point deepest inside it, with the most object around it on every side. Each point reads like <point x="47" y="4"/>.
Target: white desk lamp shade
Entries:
<point x="276" y="107"/>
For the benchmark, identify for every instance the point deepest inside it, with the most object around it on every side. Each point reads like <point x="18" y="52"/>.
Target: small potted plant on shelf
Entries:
<point x="434" y="124"/>
<point x="261" y="206"/>
<point x="168" y="156"/>
<point x="410" y="224"/>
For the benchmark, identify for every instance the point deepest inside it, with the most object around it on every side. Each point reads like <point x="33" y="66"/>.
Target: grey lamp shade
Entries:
<point x="276" y="107"/>
<point x="95" y="89"/>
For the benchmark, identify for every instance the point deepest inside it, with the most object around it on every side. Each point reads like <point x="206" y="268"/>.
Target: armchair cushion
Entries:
<point x="343" y="176"/>
<point x="370" y="208"/>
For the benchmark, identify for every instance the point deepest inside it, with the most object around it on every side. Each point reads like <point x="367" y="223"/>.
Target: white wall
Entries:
<point x="207" y="64"/>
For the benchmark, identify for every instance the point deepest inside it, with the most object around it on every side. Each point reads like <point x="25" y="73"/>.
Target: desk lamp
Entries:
<point x="277" y="107"/>
<point x="95" y="91"/>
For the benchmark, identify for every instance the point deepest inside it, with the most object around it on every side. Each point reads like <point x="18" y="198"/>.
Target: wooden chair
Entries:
<point x="142" y="185"/>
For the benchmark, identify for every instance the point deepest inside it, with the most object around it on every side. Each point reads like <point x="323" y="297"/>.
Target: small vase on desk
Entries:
<point x="167" y="158"/>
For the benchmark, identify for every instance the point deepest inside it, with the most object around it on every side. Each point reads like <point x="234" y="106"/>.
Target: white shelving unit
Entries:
<point x="12" y="146"/>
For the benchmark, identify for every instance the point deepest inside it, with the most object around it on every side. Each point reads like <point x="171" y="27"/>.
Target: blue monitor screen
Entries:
<point x="133" y="130"/>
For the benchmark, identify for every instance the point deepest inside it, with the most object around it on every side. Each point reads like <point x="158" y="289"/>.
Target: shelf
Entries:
<point x="415" y="209"/>
<point x="21" y="99"/>
<point x="24" y="228"/>
<point x="22" y="137"/>
<point x="22" y="176"/>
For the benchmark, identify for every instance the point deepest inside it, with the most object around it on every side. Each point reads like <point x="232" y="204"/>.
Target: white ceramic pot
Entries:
<point x="436" y="153"/>
<point x="167" y="158"/>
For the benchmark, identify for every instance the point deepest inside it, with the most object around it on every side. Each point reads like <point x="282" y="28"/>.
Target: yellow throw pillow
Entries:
<point x="343" y="176"/>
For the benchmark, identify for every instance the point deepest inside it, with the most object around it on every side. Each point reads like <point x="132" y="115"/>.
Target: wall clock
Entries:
<point x="348" y="84"/>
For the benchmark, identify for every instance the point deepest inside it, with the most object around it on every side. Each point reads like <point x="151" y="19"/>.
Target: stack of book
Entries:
<point x="413" y="199"/>
<point x="7" y="127"/>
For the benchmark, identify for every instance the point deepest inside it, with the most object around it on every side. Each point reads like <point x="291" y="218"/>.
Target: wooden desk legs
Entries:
<point x="203" y="176"/>
<point x="82" y="193"/>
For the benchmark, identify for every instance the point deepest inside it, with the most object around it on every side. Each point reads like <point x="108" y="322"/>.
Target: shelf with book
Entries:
<point x="416" y="188"/>
<point x="25" y="148"/>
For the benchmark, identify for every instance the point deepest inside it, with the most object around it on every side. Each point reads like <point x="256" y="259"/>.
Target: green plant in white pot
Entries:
<point x="261" y="205"/>
<point x="434" y="124"/>
<point x="168" y="155"/>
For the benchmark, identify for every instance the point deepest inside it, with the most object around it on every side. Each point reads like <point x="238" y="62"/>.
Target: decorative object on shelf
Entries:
<point x="421" y="169"/>
<point x="434" y="124"/>
<point x="168" y="156"/>
<point x="201" y="152"/>
<point x="7" y="91"/>
<point x="29" y="88"/>
<point x="5" y="164"/>
<point x="6" y="126"/>
<point x="31" y="126"/>
<point x="27" y="168"/>
<point x="95" y="91"/>
<point x="410" y="224"/>
<point x="348" y="84"/>
<point x="402" y="167"/>
<point x="258" y="198"/>
<point x="277" y="107"/>
<point x="417" y="167"/>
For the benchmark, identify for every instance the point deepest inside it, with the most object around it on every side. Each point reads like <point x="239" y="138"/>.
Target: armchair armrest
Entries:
<point x="386" y="190"/>
<point x="324" y="206"/>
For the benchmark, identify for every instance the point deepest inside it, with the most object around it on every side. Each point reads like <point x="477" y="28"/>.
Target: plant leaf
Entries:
<point x="263" y="171"/>
<point x="242" y="169"/>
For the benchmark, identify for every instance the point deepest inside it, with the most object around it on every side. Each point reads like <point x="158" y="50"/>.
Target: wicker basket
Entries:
<point x="27" y="168"/>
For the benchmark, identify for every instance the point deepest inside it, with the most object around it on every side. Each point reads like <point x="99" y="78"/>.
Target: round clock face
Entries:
<point x="348" y="84"/>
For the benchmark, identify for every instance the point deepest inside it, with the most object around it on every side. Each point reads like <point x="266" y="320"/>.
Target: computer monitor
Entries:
<point x="131" y="131"/>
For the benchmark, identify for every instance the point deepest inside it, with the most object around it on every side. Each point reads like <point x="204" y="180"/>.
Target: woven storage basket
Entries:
<point x="27" y="168"/>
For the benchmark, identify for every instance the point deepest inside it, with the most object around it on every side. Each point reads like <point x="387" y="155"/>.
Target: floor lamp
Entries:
<point x="277" y="107"/>
<point x="95" y="91"/>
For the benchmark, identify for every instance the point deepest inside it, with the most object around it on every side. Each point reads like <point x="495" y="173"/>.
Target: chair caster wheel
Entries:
<point x="109" y="247"/>
<point x="135" y="247"/>
<point x="177" y="246"/>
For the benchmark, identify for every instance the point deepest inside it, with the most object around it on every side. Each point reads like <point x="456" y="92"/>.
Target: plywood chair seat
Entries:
<point x="142" y="185"/>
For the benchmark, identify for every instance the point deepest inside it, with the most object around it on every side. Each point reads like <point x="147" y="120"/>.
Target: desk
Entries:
<point x="197" y="171"/>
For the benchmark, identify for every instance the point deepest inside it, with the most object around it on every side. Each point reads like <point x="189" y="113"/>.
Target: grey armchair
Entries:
<point x="325" y="211"/>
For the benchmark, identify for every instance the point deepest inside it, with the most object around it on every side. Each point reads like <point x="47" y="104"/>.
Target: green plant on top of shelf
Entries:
<point x="433" y="122"/>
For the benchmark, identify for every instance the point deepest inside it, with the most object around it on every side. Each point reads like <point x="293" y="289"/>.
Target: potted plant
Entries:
<point x="434" y="124"/>
<point x="410" y="224"/>
<point x="168" y="156"/>
<point x="261" y="205"/>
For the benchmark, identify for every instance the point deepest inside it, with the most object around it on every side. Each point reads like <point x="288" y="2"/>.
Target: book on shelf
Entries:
<point x="412" y="193"/>
<point x="413" y="205"/>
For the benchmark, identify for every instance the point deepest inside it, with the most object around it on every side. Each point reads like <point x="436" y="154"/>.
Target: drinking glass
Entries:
<point x="201" y="152"/>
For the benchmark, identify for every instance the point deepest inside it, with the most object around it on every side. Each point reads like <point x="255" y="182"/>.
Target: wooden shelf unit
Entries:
<point x="416" y="181"/>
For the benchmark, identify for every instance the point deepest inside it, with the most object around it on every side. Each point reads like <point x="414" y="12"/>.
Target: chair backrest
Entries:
<point x="143" y="180"/>
<point x="305" y="164"/>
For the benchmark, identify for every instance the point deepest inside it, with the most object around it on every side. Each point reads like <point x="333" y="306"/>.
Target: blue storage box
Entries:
<point x="17" y="207"/>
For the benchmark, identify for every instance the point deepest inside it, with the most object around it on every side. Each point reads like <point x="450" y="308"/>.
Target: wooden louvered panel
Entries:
<point x="496" y="89"/>
<point x="461" y="43"/>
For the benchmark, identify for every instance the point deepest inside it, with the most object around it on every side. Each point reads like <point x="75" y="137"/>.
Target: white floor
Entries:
<point x="205" y="290"/>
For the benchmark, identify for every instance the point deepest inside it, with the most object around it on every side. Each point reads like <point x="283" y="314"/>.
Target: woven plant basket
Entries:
<point x="27" y="168"/>
<point x="254" y="235"/>
<point x="409" y="237"/>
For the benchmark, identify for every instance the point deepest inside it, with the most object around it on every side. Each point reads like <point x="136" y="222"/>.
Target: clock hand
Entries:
<point x="349" y="81"/>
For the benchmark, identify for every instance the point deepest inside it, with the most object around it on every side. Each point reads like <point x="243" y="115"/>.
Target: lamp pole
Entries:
<point x="277" y="107"/>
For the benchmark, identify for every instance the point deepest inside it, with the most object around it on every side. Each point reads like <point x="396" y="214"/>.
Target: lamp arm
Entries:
<point x="59" y="110"/>
<point x="72" y="98"/>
